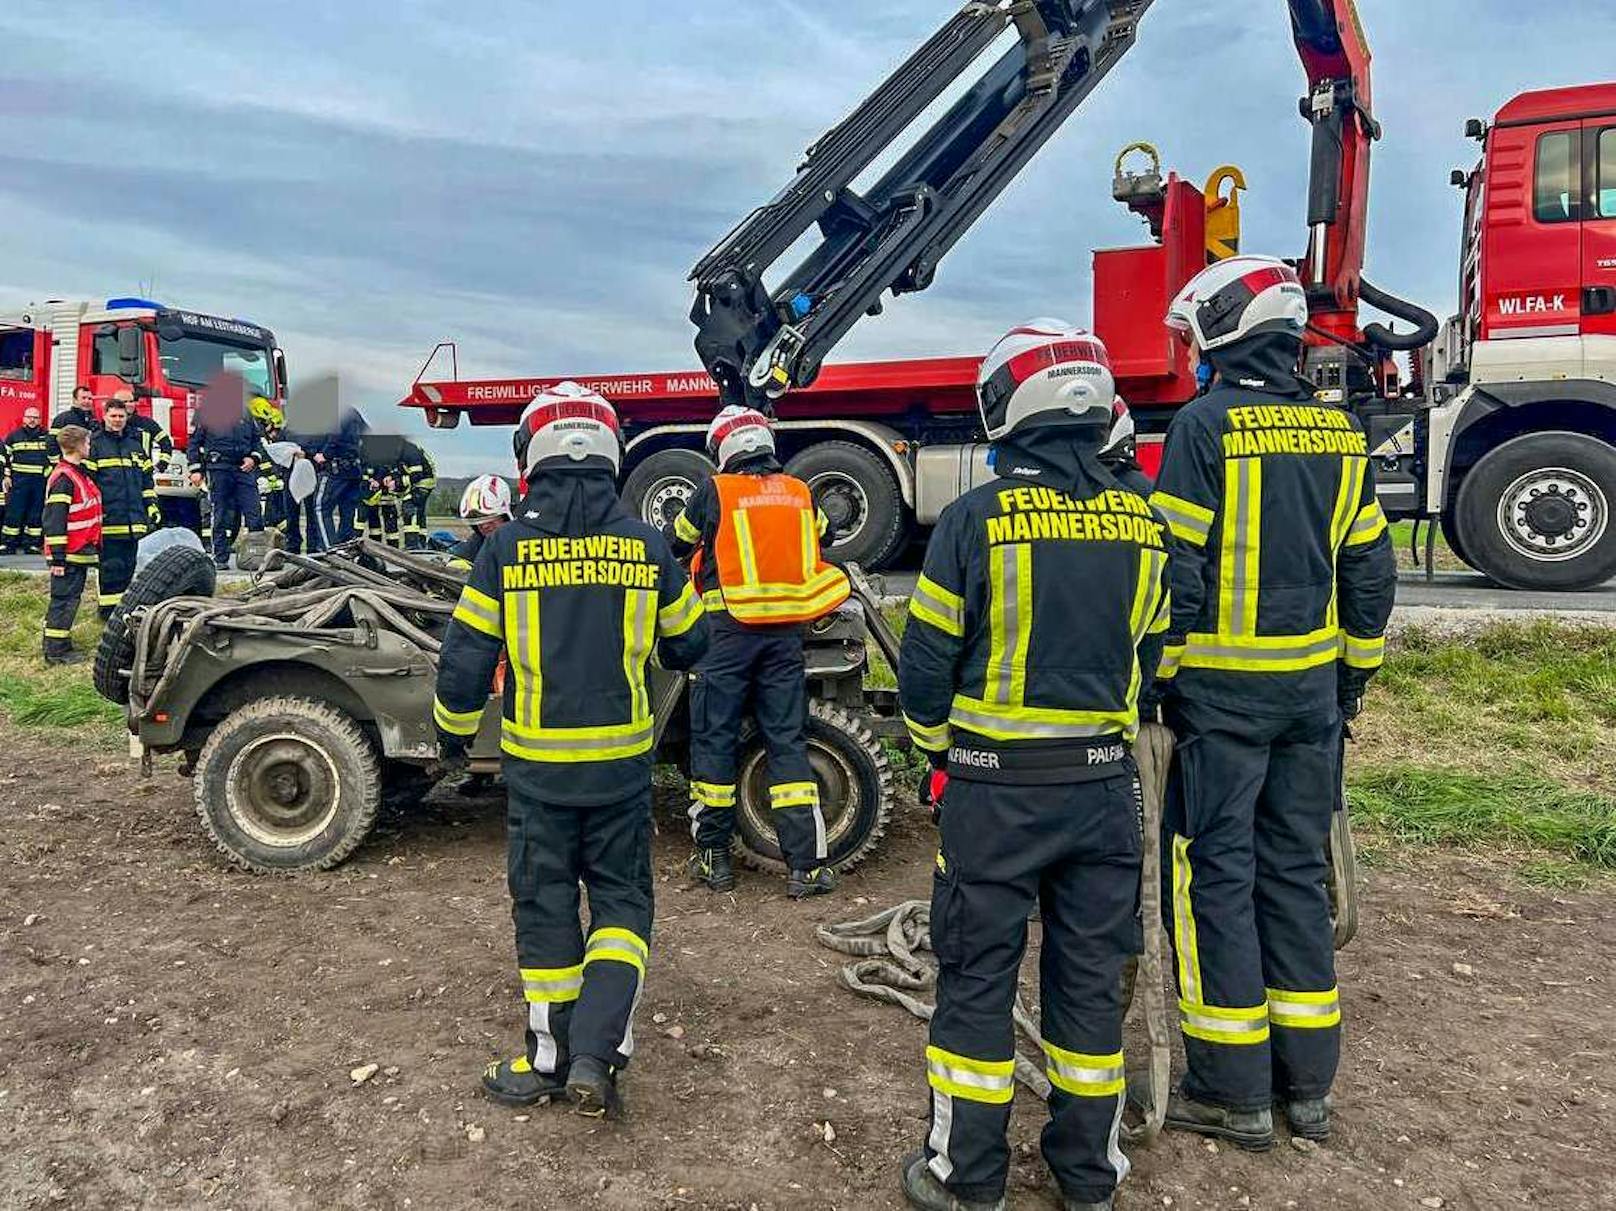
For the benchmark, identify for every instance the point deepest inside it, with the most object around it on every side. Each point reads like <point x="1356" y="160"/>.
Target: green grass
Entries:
<point x="64" y="703"/>
<point x="33" y="695"/>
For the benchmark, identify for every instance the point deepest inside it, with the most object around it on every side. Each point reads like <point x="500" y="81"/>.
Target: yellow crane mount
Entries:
<point x="1145" y="193"/>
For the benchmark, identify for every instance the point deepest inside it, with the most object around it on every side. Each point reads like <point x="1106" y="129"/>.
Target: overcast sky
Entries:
<point x="534" y="180"/>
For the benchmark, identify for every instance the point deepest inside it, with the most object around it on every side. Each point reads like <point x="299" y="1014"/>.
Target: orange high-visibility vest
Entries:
<point x="767" y="550"/>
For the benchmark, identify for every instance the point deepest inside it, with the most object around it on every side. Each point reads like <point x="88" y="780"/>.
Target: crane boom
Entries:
<point x="758" y="343"/>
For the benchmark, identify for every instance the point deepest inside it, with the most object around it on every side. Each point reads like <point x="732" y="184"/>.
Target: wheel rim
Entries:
<point x="1553" y="514"/>
<point x="838" y="793"/>
<point x="284" y="791"/>
<point x="844" y="502"/>
<point x="665" y="499"/>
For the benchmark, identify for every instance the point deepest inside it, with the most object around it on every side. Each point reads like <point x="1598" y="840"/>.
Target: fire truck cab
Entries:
<point x="164" y="355"/>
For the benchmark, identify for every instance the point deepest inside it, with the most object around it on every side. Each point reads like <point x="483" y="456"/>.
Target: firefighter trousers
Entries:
<point x="1244" y="839"/>
<point x="335" y="506"/>
<point x="756" y="671"/>
<point x="24" y="507"/>
<point x="65" y="592"/>
<point x="235" y="499"/>
<point x="299" y="520"/>
<point x="415" y="518"/>
<point x="116" y="568"/>
<point x="580" y="990"/>
<point x="1074" y="850"/>
<point x="382" y="523"/>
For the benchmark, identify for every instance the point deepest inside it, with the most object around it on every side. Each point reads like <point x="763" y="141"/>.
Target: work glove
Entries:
<point x="935" y="785"/>
<point x="1349" y="692"/>
<point x="452" y="755"/>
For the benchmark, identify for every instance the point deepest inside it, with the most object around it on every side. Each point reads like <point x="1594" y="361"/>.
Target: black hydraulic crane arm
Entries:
<point x="758" y="343"/>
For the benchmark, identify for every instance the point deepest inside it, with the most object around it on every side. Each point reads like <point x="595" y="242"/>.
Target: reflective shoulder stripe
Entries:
<point x="930" y="739"/>
<point x="1363" y="653"/>
<point x="936" y="606"/>
<point x="1370" y="525"/>
<point x="480" y="612"/>
<point x="456" y="723"/>
<point x="675" y="619"/>
<point x="1188" y="521"/>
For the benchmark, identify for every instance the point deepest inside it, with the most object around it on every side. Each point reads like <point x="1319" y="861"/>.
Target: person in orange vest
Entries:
<point x="756" y="536"/>
<point x="72" y="523"/>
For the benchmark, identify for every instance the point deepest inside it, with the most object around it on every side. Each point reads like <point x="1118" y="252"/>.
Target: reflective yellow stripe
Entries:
<point x="552" y="985"/>
<point x="522" y="643"/>
<point x="1363" y="653"/>
<point x="1370" y="525"/>
<point x="936" y="606"/>
<point x="796" y="604"/>
<point x="1011" y="624"/>
<point x="1304" y="1010"/>
<point x="809" y="542"/>
<point x="456" y="723"/>
<point x="639" y="624"/>
<point x="743" y="544"/>
<point x="793" y="794"/>
<point x="998" y="722"/>
<point x="572" y="744"/>
<point x="1172" y="658"/>
<point x="1185" y="943"/>
<point x="990" y="1081"/>
<point x="831" y="577"/>
<point x="1353" y="470"/>
<point x="1242" y="540"/>
<point x="1215" y="1024"/>
<point x="613" y="945"/>
<point x="56" y="633"/>
<point x="1189" y="522"/>
<point x="713" y="794"/>
<point x="108" y="600"/>
<point x="684" y="531"/>
<point x="931" y="739"/>
<point x="1264" y="653"/>
<point x="1083" y="1075"/>
<point x="675" y="619"/>
<point x="480" y="612"/>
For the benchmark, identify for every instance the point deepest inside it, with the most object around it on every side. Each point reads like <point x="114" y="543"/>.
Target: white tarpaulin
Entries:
<point x="301" y="481"/>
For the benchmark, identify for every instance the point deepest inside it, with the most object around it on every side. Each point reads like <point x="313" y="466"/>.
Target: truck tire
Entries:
<point x="287" y="784"/>
<point x="175" y="572"/>
<point x="1537" y="513"/>
<point x="855" y="789"/>
<point x="657" y="489"/>
<point x="860" y="495"/>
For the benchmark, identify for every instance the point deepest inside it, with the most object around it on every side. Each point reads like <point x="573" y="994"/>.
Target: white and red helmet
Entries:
<point x="1241" y="297"/>
<point x="485" y="498"/>
<point x="568" y="421"/>
<point x="1045" y="372"/>
<point x="1123" y="431"/>
<point x="736" y="432"/>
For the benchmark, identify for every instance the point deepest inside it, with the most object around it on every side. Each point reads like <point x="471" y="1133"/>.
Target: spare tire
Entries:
<point x="174" y="572"/>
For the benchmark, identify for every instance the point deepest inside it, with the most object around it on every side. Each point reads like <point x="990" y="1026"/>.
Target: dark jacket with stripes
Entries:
<point x="1039" y="613"/>
<point x="1282" y="563"/>
<point x="123" y="473"/>
<point x="28" y="451"/>
<point x="578" y="615"/>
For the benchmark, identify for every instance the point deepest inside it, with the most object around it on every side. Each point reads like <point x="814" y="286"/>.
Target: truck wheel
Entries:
<point x="855" y="791"/>
<point x="1450" y="534"/>
<point x="175" y="572"/>
<point x="859" y="494"/>
<point x="656" y="491"/>
<point x="287" y="784"/>
<point x="1536" y="513"/>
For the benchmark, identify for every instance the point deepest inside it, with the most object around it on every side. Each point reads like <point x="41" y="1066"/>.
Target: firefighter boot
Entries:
<point x="1309" y="1118"/>
<point x="65" y="658"/>
<point x="515" y="1083"/>
<point x="819" y="881"/>
<point x="1252" y="1130"/>
<point x="592" y="1084"/>
<point x="711" y="866"/>
<point x="923" y="1190"/>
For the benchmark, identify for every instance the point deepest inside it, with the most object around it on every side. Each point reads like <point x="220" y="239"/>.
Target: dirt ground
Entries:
<point x="175" y="1034"/>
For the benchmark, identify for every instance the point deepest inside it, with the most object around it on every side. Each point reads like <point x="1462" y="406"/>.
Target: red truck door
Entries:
<point x="1535" y="204"/>
<point x="1599" y="244"/>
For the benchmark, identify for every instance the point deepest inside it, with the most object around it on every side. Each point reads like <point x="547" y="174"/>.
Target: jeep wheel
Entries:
<point x="287" y="784"/>
<point x="175" y="572"/>
<point x="855" y="791"/>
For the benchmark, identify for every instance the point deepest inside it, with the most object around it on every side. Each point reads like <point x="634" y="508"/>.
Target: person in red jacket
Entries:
<point x="72" y="524"/>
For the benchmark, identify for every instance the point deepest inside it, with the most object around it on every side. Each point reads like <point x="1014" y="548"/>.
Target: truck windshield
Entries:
<point x="197" y="360"/>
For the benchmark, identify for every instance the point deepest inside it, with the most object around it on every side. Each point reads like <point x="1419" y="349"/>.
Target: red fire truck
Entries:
<point x="165" y="355"/>
<point x="1505" y="435"/>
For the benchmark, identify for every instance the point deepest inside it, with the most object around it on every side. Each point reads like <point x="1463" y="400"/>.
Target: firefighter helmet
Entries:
<point x="485" y="498"/>
<point x="267" y="412"/>
<point x="568" y="421"/>
<point x="737" y="432"/>
<point x="1241" y="297"/>
<point x="1045" y="372"/>
<point x="1123" y="431"/>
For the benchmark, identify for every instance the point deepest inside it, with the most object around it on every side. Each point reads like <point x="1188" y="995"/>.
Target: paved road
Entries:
<point x="1450" y="590"/>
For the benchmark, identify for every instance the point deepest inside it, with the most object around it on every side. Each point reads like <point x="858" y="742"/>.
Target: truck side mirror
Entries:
<point x="1459" y="179"/>
<point x="129" y="343"/>
<point x="1475" y="128"/>
<point x="280" y="374"/>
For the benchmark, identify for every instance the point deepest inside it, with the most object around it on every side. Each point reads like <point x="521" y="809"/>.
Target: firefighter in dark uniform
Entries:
<point x="28" y="454"/>
<point x="387" y="488"/>
<point x="756" y="535"/>
<point x="423" y="477"/>
<point x="576" y="593"/>
<point x="80" y="412"/>
<point x="1283" y="580"/>
<point x="72" y="523"/>
<point x="227" y="455"/>
<point x="122" y="474"/>
<point x="339" y="459"/>
<point x="157" y="445"/>
<point x="272" y="497"/>
<point x="1040" y="612"/>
